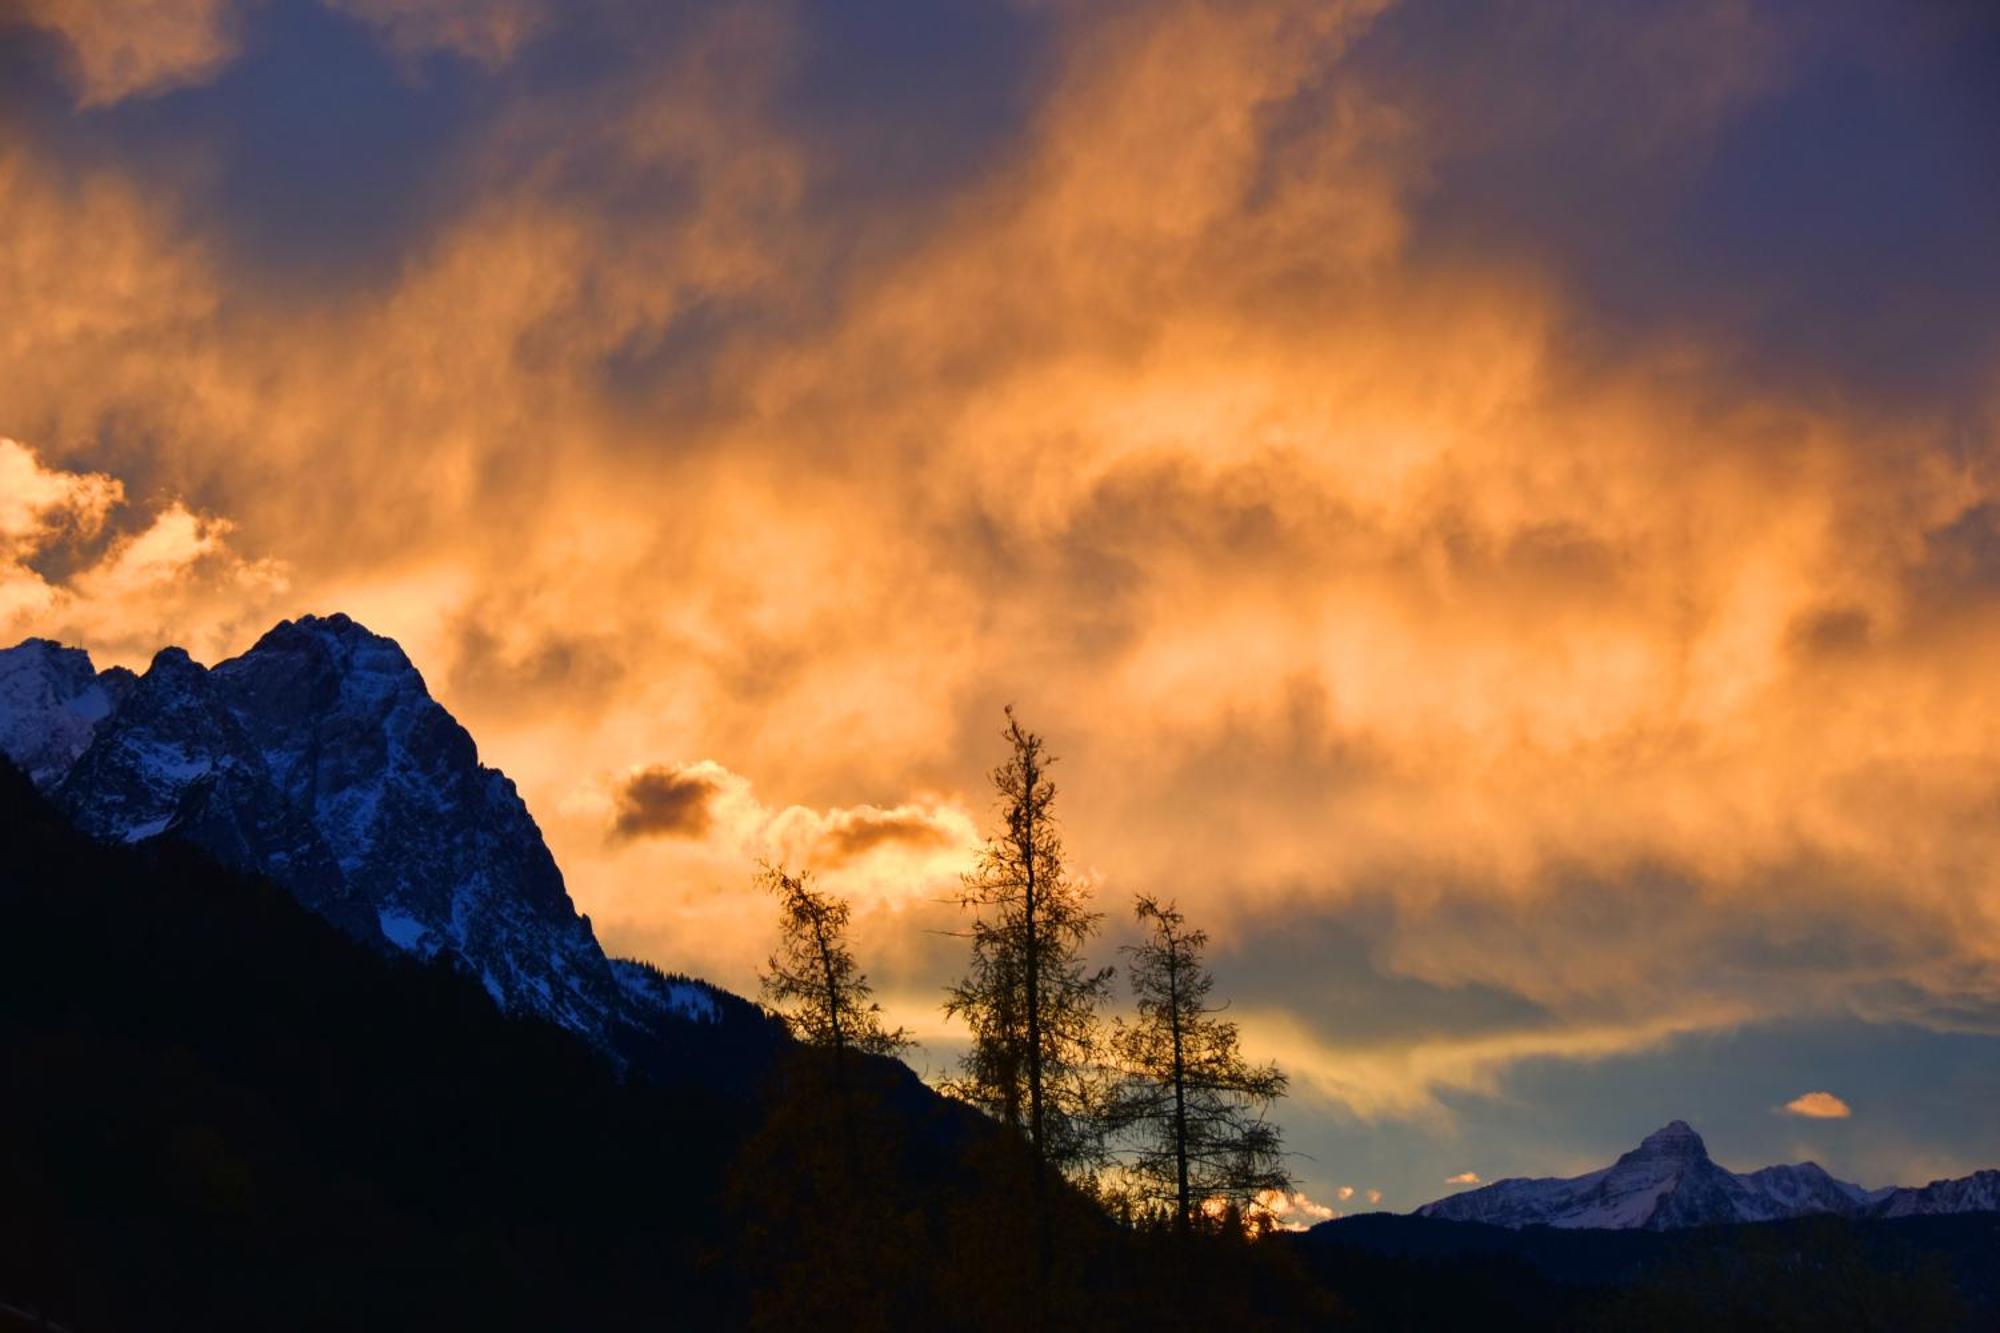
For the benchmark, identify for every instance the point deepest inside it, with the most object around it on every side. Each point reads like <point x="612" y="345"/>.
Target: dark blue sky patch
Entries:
<point x="1833" y="230"/>
<point x="327" y="158"/>
<point x="914" y="95"/>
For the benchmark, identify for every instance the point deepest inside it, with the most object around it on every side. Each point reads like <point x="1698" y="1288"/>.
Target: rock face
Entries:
<point x="51" y="700"/>
<point x="1669" y="1182"/>
<point x="319" y="758"/>
<point x="1976" y="1193"/>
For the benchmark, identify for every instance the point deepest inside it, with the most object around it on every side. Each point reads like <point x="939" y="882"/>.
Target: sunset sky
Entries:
<point x="1496" y="505"/>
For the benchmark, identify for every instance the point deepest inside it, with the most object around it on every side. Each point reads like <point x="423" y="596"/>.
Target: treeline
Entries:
<point x="1153" y="1127"/>
<point x="220" y="1113"/>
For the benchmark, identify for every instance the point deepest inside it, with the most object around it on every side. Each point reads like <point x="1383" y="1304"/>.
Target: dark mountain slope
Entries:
<point x="219" y="1112"/>
<point x="216" y="1111"/>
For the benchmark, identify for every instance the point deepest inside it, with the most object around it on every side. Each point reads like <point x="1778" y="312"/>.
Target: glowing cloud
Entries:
<point x="1606" y="680"/>
<point x="1463" y="1178"/>
<point x="174" y="578"/>
<point x="138" y="47"/>
<point x="1818" y="1106"/>
<point x="1292" y="1211"/>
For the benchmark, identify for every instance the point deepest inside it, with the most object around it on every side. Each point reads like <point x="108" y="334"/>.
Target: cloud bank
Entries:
<point x="1445" y="505"/>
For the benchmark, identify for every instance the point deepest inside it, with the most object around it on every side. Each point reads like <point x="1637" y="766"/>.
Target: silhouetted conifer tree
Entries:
<point x="1193" y="1107"/>
<point x="811" y="980"/>
<point x="830" y="1215"/>
<point x="1029" y="997"/>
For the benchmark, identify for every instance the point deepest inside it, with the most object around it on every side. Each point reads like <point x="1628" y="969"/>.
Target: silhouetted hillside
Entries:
<point x="221" y="1113"/>
<point x="1403" y="1272"/>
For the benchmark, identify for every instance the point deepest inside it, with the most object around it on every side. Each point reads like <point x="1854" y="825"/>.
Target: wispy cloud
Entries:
<point x="168" y="576"/>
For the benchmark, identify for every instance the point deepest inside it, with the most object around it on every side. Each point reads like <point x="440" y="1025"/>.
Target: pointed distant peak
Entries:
<point x="1676" y="1139"/>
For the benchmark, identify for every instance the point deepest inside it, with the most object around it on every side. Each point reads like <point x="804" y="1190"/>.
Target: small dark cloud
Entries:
<point x="662" y="803"/>
<point x="1962" y="557"/>
<point x="548" y="670"/>
<point x="855" y="833"/>
<point x="1831" y="631"/>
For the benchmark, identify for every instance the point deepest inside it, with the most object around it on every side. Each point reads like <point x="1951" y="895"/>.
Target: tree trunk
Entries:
<point x="1184" y="1214"/>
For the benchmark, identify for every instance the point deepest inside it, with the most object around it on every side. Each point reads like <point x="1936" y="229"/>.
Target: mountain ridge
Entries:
<point x="1669" y="1182"/>
<point x="319" y="758"/>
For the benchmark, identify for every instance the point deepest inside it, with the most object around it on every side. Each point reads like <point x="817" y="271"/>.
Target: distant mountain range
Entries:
<point x="319" y="759"/>
<point x="1669" y="1182"/>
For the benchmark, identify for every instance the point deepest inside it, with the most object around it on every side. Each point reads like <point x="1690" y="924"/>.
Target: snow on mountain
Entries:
<point x="319" y="758"/>
<point x="51" y="699"/>
<point x="1976" y="1193"/>
<point x="1669" y="1181"/>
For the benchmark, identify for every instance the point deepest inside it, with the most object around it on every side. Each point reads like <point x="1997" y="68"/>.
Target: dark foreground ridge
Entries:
<point x="1413" y="1272"/>
<point x="222" y="1113"/>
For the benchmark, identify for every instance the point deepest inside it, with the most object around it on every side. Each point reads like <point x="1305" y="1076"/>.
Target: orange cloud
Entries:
<point x="1463" y="1178"/>
<point x="488" y="31"/>
<point x="174" y="576"/>
<point x="137" y="47"/>
<point x="1354" y="577"/>
<point x="1290" y="1211"/>
<point x="1818" y="1106"/>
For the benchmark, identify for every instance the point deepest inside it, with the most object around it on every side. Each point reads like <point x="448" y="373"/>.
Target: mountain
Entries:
<point x="51" y="700"/>
<point x="318" y="758"/>
<point x="1978" y="1192"/>
<point x="224" y="1114"/>
<point x="1669" y="1182"/>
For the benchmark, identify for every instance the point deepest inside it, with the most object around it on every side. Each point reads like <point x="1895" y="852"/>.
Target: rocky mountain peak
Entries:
<point x="1669" y="1181"/>
<point x="51" y="700"/>
<point x="1676" y="1141"/>
<point x="320" y="759"/>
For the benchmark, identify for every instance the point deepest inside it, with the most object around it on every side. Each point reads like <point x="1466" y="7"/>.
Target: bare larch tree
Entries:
<point x="1193" y="1108"/>
<point x="1029" y="997"/>
<point x="811" y="980"/>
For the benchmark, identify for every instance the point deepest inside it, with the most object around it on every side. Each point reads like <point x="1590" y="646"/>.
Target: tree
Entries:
<point x="1029" y="997"/>
<point x="1195" y="1108"/>
<point x="1031" y="1000"/>
<point x="811" y="980"/>
<point x="826" y="1199"/>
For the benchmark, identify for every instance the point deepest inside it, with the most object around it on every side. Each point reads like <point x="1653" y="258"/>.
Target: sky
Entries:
<point x="1496" y="506"/>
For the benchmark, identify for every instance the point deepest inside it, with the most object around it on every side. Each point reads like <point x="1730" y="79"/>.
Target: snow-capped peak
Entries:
<point x="320" y="759"/>
<point x="51" y="700"/>
<point x="1669" y="1181"/>
<point x="1676" y="1141"/>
